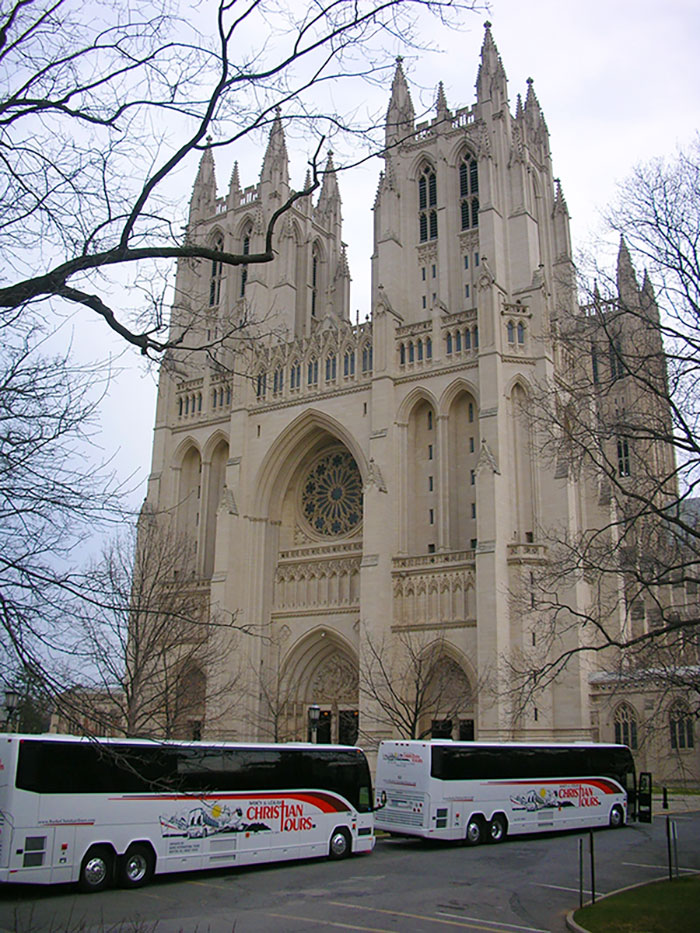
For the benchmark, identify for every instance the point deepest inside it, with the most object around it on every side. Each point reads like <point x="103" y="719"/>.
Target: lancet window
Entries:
<point x="427" y="204"/>
<point x="469" y="192"/>
<point x="244" y="269"/>
<point x="216" y="271"/>
<point x="626" y="726"/>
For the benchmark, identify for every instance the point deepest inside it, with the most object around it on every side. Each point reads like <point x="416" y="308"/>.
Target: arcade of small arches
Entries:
<point x="316" y="367"/>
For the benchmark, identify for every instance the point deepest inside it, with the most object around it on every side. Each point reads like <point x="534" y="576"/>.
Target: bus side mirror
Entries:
<point x="382" y="802"/>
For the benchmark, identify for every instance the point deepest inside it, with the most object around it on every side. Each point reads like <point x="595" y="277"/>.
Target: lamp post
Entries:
<point x="314" y="716"/>
<point x="11" y="704"/>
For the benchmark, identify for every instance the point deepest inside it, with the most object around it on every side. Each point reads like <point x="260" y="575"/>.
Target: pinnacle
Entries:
<point x="626" y="277"/>
<point x="441" y="99"/>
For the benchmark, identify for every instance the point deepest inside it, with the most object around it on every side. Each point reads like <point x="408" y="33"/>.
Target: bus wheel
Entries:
<point x="497" y="829"/>
<point x="137" y="866"/>
<point x="96" y="869"/>
<point x="475" y="831"/>
<point x="339" y="846"/>
<point x="617" y="817"/>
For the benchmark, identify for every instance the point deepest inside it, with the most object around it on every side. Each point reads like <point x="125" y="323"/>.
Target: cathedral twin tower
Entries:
<point x="364" y="499"/>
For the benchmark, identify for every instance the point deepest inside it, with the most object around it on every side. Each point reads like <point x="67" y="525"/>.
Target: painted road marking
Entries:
<point x="498" y="923"/>
<point x="457" y="922"/>
<point x="691" y="871"/>
<point x="559" y="887"/>
<point x="330" y="923"/>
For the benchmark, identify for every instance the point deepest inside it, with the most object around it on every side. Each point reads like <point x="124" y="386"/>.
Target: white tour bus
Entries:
<point x="118" y="810"/>
<point x="476" y="792"/>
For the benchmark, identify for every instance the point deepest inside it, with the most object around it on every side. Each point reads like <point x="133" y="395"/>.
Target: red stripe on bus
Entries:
<point x="608" y="787"/>
<point x="327" y="803"/>
<point x="77" y="823"/>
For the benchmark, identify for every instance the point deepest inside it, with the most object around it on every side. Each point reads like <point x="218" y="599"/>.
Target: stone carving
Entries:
<point x="227" y="502"/>
<point x="336" y="681"/>
<point x="487" y="459"/>
<point x="374" y="476"/>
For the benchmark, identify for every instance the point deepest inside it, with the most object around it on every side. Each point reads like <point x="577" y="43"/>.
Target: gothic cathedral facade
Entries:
<point x="361" y="497"/>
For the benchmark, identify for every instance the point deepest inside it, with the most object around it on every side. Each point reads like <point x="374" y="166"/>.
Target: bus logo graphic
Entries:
<point x="550" y="799"/>
<point x="208" y="819"/>
<point x="403" y="756"/>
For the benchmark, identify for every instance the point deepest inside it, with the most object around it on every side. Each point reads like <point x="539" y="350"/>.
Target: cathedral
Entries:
<point x="364" y="498"/>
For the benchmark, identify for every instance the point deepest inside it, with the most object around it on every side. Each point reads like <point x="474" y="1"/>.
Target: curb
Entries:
<point x="577" y="928"/>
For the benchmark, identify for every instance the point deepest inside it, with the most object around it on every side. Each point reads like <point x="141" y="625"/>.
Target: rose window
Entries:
<point x="331" y="494"/>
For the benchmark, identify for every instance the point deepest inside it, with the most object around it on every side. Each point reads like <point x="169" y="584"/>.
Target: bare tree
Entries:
<point x="145" y="639"/>
<point x="623" y="417"/>
<point x="413" y="687"/>
<point x="49" y="501"/>
<point x="274" y="717"/>
<point x="99" y="111"/>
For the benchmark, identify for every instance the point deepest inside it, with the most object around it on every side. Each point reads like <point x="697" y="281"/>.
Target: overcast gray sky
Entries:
<point x="618" y="84"/>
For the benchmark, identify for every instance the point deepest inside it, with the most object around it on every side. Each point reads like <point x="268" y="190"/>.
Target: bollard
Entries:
<point x="664" y="803"/>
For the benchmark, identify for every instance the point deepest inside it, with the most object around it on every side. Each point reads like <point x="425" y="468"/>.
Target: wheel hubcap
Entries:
<point x="95" y="870"/>
<point x="339" y="844"/>
<point x="135" y="867"/>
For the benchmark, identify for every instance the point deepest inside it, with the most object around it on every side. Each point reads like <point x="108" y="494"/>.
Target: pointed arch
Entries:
<point x="309" y="431"/>
<point x="417" y="394"/>
<point x="216" y="241"/>
<point x="216" y="479"/>
<point x="182" y="449"/>
<point x="212" y="442"/>
<point x="317" y="278"/>
<point x="246" y="244"/>
<point x="244" y="225"/>
<point x="463" y="443"/>
<point x="422" y="459"/>
<point x="427" y="192"/>
<point x="625" y="721"/>
<point x="189" y="492"/>
<point x="468" y="187"/>
<point x="523" y="491"/>
<point x="453" y="390"/>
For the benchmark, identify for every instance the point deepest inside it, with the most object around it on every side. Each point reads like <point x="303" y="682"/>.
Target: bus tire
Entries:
<point x="340" y="845"/>
<point x="474" y="834"/>
<point x="497" y="829"/>
<point x="617" y="817"/>
<point x="136" y="866"/>
<point x="96" y="869"/>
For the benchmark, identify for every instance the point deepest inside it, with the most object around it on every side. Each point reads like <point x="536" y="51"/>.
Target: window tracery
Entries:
<point x="331" y="494"/>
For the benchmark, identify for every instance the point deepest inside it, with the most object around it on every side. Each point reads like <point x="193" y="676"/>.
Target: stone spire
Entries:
<point x="400" y="115"/>
<point x="627" y="286"/>
<point x="491" y="81"/>
<point x="234" y="188"/>
<point x="235" y="184"/>
<point x="275" y="167"/>
<point x="443" y="114"/>
<point x="648" y="299"/>
<point x="559" y="199"/>
<point x="560" y="215"/>
<point x="519" y="108"/>
<point x="328" y="207"/>
<point x="537" y="131"/>
<point x="203" y="202"/>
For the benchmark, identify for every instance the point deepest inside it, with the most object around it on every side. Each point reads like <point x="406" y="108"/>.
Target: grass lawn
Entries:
<point x="662" y="907"/>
